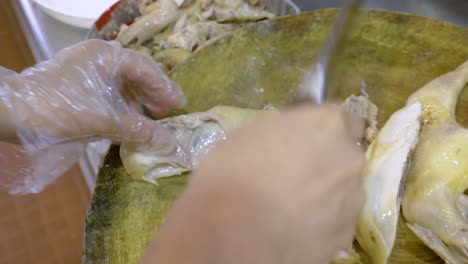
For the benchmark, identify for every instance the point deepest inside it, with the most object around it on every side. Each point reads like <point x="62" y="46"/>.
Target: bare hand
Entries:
<point x="286" y="189"/>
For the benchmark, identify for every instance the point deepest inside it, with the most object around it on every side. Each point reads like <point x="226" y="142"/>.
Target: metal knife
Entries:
<point x="314" y="86"/>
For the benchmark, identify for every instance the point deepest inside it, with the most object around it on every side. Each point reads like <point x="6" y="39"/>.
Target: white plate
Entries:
<point x="78" y="13"/>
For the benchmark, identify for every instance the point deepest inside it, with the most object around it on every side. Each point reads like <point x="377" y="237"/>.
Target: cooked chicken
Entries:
<point x="193" y="136"/>
<point x="171" y="57"/>
<point x="194" y="36"/>
<point x="146" y="27"/>
<point x="434" y="203"/>
<point x="238" y="11"/>
<point x="387" y="158"/>
<point x="349" y="256"/>
<point x="363" y="107"/>
<point x="187" y="25"/>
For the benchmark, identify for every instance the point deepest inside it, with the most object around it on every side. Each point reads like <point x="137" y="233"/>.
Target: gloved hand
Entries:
<point x="285" y="189"/>
<point x="93" y="90"/>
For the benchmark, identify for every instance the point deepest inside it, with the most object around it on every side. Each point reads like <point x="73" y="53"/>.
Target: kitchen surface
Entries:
<point x="47" y="228"/>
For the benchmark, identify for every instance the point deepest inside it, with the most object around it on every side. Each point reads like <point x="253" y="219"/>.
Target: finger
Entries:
<point x="354" y="197"/>
<point x="352" y="203"/>
<point x="352" y="187"/>
<point x="352" y="162"/>
<point x="346" y="226"/>
<point x="140" y="129"/>
<point x="337" y="166"/>
<point x="152" y="87"/>
<point x="135" y="107"/>
<point x="129" y="127"/>
<point x="354" y="125"/>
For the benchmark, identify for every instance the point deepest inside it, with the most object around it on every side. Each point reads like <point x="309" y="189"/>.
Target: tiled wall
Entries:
<point x="45" y="228"/>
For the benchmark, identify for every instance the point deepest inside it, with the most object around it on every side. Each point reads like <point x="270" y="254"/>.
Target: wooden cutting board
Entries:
<point x="389" y="56"/>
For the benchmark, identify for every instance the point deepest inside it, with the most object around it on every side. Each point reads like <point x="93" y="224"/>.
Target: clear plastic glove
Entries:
<point x="93" y="90"/>
<point x="285" y="189"/>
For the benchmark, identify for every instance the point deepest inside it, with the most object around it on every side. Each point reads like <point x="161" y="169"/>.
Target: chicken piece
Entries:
<point x="180" y="2"/>
<point x="434" y="204"/>
<point x="192" y="137"/>
<point x="171" y="57"/>
<point x="181" y="22"/>
<point x="147" y="6"/>
<point x="363" y="107"/>
<point x="196" y="35"/>
<point x="221" y="11"/>
<point x="232" y="4"/>
<point x="387" y="158"/>
<point x="254" y="2"/>
<point x="165" y="12"/>
<point x="348" y="256"/>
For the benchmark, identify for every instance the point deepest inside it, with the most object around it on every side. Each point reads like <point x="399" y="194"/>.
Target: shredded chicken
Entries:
<point x="186" y="25"/>
<point x="193" y="36"/>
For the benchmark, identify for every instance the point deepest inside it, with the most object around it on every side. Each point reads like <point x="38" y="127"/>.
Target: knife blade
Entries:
<point x="314" y="85"/>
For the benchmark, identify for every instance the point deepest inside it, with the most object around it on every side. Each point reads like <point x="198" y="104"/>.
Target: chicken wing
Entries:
<point x="434" y="203"/>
